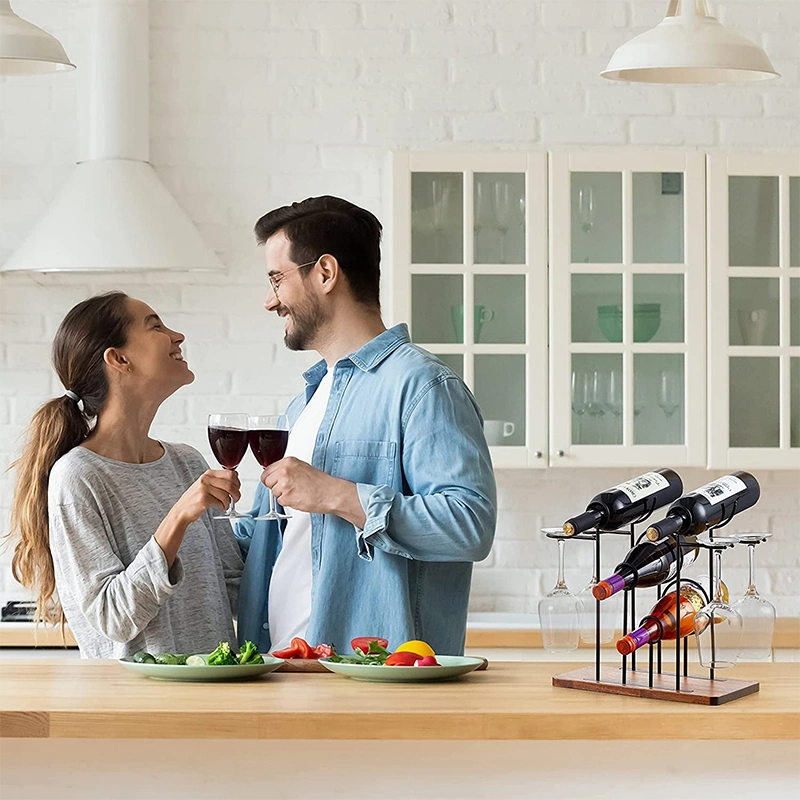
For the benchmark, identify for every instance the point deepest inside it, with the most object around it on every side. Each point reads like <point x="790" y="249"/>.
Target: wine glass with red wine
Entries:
<point x="268" y="437"/>
<point x="227" y="435"/>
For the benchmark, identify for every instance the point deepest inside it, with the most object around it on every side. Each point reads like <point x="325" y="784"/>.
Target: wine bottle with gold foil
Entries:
<point x="661" y="624"/>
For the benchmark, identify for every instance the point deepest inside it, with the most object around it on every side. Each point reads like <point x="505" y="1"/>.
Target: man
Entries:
<point x="387" y="475"/>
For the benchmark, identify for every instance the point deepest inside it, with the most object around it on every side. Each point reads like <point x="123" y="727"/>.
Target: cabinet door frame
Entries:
<point x="721" y="166"/>
<point x="534" y="167"/>
<point x="691" y="163"/>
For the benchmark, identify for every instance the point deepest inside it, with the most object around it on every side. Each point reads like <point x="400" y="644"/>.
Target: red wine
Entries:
<point x="624" y="504"/>
<point x="268" y="446"/>
<point x="228" y="445"/>
<point x="648" y="564"/>
<point x="707" y="506"/>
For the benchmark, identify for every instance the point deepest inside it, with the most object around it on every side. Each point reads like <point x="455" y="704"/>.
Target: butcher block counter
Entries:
<point x="476" y="731"/>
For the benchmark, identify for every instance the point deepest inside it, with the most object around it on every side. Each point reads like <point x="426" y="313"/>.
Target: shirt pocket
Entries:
<point x="365" y="461"/>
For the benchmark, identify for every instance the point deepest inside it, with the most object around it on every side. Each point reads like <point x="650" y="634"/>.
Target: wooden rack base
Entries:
<point x="700" y="691"/>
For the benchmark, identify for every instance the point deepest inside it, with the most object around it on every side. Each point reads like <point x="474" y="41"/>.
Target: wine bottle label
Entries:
<point x="721" y="489"/>
<point x="643" y="486"/>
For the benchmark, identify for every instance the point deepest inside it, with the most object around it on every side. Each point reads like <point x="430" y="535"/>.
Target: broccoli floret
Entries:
<point x="249" y="654"/>
<point x="222" y="655"/>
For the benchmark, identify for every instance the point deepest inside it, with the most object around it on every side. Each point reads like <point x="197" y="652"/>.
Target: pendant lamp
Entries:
<point x="26" y="49"/>
<point x="689" y="46"/>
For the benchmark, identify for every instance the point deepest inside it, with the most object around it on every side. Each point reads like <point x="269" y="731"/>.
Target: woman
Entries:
<point x="102" y="510"/>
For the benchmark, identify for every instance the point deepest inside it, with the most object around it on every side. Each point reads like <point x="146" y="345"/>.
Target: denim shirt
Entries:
<point x="406" y="430"/>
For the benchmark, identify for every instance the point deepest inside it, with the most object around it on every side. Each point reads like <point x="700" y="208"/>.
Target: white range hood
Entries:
<point x="114" y="213"/>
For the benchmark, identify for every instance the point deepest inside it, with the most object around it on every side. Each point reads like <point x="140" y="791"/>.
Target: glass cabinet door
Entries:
<point x="470" y="279"/>
<point x="626" y="310"/>
<point x="754" y="310"/>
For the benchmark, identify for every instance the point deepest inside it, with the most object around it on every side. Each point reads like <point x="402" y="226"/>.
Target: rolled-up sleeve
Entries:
<point x="117" y="601"/>
<point x="450" y="513"/>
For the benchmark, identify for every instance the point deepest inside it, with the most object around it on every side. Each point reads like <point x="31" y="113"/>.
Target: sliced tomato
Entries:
<point x="402" y="659"/>
<point x="303" y="647"/>
<point x="362" y="642"/>
<point x="289" y="652"/>
<point x="322" y="651"/>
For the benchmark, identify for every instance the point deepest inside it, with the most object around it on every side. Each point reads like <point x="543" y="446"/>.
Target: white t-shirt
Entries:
<point x="290" y="586"/>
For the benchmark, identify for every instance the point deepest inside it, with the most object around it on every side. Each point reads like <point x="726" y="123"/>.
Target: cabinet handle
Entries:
<point x="560" y="453"/>
<point x="538" y="454"/>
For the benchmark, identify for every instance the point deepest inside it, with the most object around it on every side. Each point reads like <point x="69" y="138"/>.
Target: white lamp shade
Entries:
<point x="691" y="47"/>
<point x="26" y="49"/>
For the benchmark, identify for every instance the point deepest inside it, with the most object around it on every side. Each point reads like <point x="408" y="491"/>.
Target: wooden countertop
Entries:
<point x="65" y="698"/>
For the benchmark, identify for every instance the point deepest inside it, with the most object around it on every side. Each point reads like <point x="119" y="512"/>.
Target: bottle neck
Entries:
<point x="590" y="518"/>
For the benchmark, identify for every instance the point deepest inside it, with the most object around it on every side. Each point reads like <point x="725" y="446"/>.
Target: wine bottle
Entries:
<point x="707" y="506"/>
<point x="624" y="504"/>
<point x="660" y="623"/>
<point x="648" y="564"/>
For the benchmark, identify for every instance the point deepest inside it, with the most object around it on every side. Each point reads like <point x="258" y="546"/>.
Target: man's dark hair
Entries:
<point x="320" y="225"/>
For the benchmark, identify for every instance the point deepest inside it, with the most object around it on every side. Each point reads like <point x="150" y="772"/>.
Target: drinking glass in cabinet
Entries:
<point x="432" y="299"/>
<point x="754" y="311"/>
<point x="717" y="626"/>
<point x="614" y="398"/>
<point x="580" y="402"/>
<point x="437" y="220"/>
<point x="505" y="297"/>
<point x="658" y="308"/>
<point x="499" y="218"/>
<point x="596" y="217"/>
<point x="596" y="307"/>
<point x="559" y="611"/>
<point x="757" y="613"/>
<point x="658" y="398"/>
<point x="597" y="400"/>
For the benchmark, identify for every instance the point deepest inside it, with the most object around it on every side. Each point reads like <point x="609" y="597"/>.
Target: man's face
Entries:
<point x="295" y="299"/>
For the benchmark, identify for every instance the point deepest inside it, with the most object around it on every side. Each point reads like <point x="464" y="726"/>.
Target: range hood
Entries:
<point x="113" y="214"/>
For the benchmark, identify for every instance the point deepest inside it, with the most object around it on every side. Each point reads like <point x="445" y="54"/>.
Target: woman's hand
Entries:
<point x="213" y="489"/>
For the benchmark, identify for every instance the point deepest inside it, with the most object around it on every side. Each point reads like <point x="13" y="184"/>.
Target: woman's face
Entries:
<point x="153" y="352"/>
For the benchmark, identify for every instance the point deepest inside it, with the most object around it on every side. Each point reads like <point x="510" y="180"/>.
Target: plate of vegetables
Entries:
<point x="221" y="665"/>
<point x="411" y="662"/>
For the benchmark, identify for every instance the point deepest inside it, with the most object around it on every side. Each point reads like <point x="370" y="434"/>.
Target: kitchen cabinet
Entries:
<point x="629" y="307"/>
<point x="470" y="233"/>
<point x="754" y="310"/>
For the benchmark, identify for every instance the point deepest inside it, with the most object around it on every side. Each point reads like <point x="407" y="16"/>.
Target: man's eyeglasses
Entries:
<point x="276" y="278"/>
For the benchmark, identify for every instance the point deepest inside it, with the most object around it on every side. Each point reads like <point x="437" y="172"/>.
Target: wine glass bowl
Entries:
<point x="559" y="610"/>
<point x="268" y="436"/>
<point x="227" y="436"/>
<point x="757" y="613"/>
<point x="718" y="626"/>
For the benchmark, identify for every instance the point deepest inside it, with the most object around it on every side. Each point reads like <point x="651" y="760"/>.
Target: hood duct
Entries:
<point x="113" y="214"/>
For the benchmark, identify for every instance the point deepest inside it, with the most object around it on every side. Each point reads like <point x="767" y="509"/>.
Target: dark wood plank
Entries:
<point x="695" y="690"/>
<point x="24" y="725"/>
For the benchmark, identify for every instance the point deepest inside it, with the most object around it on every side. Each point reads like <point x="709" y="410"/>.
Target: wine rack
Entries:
<point x="653" y="681"/>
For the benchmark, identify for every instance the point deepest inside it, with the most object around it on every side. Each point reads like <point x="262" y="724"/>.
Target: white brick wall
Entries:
<point x="257" y="103"/>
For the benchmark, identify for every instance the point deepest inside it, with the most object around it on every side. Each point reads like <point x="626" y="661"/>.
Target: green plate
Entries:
<point x="172" y="672"/>
<point x="450" y="667"/>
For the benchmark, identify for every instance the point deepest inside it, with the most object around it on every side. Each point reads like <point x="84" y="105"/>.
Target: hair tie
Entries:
<point x="75" y="399"/>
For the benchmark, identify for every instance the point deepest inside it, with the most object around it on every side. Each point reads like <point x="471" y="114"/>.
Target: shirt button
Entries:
<point x="265" y="626"/>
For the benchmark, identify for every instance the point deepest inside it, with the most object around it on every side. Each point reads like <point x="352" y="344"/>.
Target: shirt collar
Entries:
<point x="368" y="356"/>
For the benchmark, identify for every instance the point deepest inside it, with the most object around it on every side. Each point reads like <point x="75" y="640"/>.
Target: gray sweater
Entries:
<point x="112" y="578"/>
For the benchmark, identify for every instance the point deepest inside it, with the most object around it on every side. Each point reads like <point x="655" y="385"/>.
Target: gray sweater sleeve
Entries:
<point x="118" y="602"/>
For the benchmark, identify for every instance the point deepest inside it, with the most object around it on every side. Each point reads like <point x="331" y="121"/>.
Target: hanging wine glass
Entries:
<point x="580" y="399"/>
<point x="669" y="397"/>
<point x="586" y="210"/>
<point x="484" y="218"/>
<point x="559" y="610"/>
<point x="596" y="406"/>
<point x="503" y="213"/>
<point x="717" y="626"/>
<point x="609" y="611"/>
<point x="757" y="613"/>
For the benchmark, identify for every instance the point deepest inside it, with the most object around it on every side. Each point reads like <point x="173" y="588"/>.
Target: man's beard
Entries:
<point x="306" y="322"/>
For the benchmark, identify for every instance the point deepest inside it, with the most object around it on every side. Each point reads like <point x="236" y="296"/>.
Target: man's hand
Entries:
<point x="298" y="485"/>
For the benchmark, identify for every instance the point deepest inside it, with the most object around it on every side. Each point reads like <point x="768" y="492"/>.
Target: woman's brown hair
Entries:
<point x="87" y="331"/>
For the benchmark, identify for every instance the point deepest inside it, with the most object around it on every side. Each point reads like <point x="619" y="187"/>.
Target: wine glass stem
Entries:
<point x="751" y="558"/>
<point x="272" y="509"/>
<point x="232" y="507"/>
<point x="560" y="582"/>
<point x="717" y="576"/>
